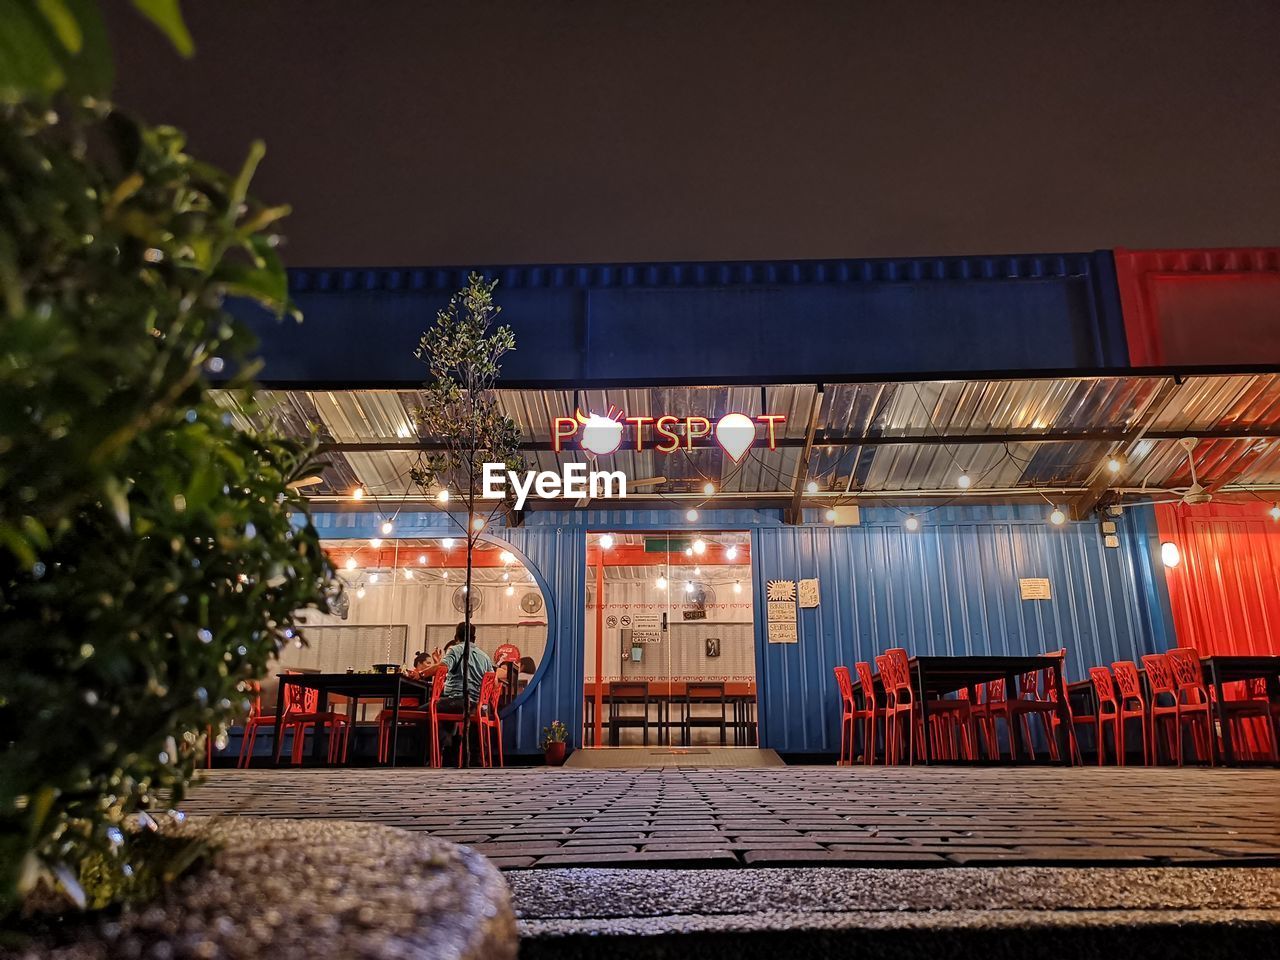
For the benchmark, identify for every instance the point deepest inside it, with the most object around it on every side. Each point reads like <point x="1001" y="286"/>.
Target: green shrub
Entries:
<point x="152" y="555"/>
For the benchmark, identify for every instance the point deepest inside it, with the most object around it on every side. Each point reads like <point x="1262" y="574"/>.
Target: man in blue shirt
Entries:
<point x="454" y="661"/>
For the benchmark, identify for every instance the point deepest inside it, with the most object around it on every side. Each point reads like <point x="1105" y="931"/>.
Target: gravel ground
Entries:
<point x="307" y="890"/>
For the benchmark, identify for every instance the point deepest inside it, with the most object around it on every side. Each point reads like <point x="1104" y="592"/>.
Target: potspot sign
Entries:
<point x="602" y="435"/>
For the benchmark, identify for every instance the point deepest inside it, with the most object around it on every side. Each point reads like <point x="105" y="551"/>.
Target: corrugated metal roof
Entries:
<point x="1007" y="435"/>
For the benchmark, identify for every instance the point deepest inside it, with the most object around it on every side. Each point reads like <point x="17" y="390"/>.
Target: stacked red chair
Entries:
<point x="1133" y="706"/>
<point x="487" y="719"/>
<point x="851" y="715"/>
<point x="874" y="710"/>
<point x="1178" y="699"/>
<point x="1016" y="712"/>
<point x="948" y="717"/>
<point x="1104" y="695"/>
<point x="301" y="712"/>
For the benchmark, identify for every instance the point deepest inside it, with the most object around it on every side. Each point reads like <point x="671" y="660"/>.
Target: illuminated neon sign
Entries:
<point x="603" y="435"/>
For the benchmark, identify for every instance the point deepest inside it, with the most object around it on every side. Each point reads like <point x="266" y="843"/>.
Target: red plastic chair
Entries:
<point x="1168" y="676"/>
<point x="300" y="713"/>
<point x="252" y="722"/>
<point x="487" y="719"/>
<point x="946" y="716"/>
<point x="487" y="690"/>
<point x="850" y="715"/>
<point x="412" y="713"/>
<point x="1254" y="705"/>
<point x="1016" y="711"/>
<point x="874" y="711"/>
<point x="1133" y="706"/>
<point x="1104" y="693"/>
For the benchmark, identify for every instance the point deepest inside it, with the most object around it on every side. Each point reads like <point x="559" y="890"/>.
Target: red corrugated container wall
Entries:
<point x="1201" y="307"/>
<point x="1225" y="593"/>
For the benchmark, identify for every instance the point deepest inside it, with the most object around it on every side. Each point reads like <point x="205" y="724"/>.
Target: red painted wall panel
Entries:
<point x="1225" y="593"/>
<point x="1201" y="307"/>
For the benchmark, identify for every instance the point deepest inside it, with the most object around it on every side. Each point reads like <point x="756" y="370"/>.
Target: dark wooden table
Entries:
<point x="355" y="687"/>
<point x="1231" y="669"/>
<point x="936" y="676"/>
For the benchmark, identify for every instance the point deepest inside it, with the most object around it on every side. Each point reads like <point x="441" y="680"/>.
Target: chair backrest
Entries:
<point x="437" y="677"/>
<point x="901" y="666"/>
<point x="995" y="690"/>
<point x="1128" y="682"/>
<point x="300" y="699"/>
<point x="1104" y="688"/>
<point x="1255" y="688"/>
<point x="1055" y="678"/>
<point x="488" y="684"/>
<point x="1029" y="685"/>
<point x="1187" y="672"/>
<point x="253" y="690"/>
<point x="867" y="682"/>
<point x="885" y="669"/>
<point x="1160" y="677"/>
<point x="844" y="686"/>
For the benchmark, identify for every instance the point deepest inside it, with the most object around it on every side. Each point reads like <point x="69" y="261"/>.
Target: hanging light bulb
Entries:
<point x="830" y="515"/>
<point x="408" y="573"/>
<point x="375" y="542"/>
<point x="691" y="516"/>
<point x="506" y="576"/>
<point x="1169" y="554"/>
<point x="387" y="527"/>
<point x="1114" y="464"/>
<point x="357" y="493"/>
<point x="1275" y="512"/>
<point x="477" y="524"/>
<point x="465" y="588"/>
<point x="964" y="481"/>
<point x="709" y="488"/>
<point x="443" y="495"/>
<point x="912" y="522"/>
<point x="373" y="578"/>
<point x="697" y="571"/>
<point x="351" y="563"/>
<point x="688" y="551"/>
<point x="737" y="586"/>
<point x="511" y="591"/>
<point x="447" y="543"/>
<point x="688" y="586"/>
<point x="1058" y="517"/>
<point x="422" y="559"/>
<point x="360" y="592"/>
<point x="606" y="541"/>
<point x="661" y="582"/>
<point x="506" y="556"/>
<point x="446" y="574"/>
<point x="811" y="487"/>
<point x="699" y="546"/>
<point x="732" y="552"/>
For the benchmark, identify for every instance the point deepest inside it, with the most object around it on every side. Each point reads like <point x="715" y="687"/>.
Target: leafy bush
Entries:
<point x="152" y="555"/>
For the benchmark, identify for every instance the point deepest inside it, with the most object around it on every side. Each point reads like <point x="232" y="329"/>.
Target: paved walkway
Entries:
<point x="825" y="816"/>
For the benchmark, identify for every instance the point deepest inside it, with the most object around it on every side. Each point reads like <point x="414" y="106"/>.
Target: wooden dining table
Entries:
<point x="354" y="687"/>
<point x="1222" y="670"/>
<point x="741" y="695"/>
<point x="936" y="676"/>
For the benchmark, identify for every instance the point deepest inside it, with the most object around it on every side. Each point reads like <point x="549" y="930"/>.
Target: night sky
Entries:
<point x="407" y="132"/>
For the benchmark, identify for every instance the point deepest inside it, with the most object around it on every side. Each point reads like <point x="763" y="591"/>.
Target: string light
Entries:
<point x="511" y="591"/>
<point x="688" y="551"/>
<point x="387" y="527"/>
<point x="709" y="488"/>
<point x="731" y="553"/>
<point x="1058" y="517"/>
<point x="688" y="586"/>
<point x="443" y="496"/>
<point x="408" y="573"/>
<point x="446" y="574"/>
<point x="357" y="493"/>
<point x="1275" y="512"/>
<point x="447" y="543"/>
<point x="964" y="481"/>
<point x="606" y="541"/>
<point x="697" y="571"/>
<point x="811" y="487"/>
<point x="737" y="586"/>
<point x="506" y="576"/>
<point x="1115" y="464"/>
<point x="351" y="563"/>
<point x="830" y="515"/>
<point x="360" y="592"/>
<point x="661" y="582"/>
<point x="691" y="516"/>
<point x="373" y="578"/>
<point x="506" y="556"/>
<point x="422" y="559"/>
<point x="1169" y="554"/>
<point x="375" y="542"/>
<point x="912" y="522"/>
<point x="477" y="524"/>
<point x="699" y="546"/>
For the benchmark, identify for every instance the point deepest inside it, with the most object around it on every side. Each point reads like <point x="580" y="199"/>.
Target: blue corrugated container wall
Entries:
<point x="952" y="587"/>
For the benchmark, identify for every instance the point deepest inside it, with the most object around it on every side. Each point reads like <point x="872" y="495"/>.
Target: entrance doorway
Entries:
<point x="670" y="643"/>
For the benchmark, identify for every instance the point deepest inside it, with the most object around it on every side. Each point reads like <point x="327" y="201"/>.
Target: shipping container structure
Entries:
<point x="897" y="377"/>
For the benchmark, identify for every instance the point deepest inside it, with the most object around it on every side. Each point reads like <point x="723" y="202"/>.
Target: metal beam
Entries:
<point x="795" y="513"/>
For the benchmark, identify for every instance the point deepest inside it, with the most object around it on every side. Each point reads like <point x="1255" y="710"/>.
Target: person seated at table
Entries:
<point x="454" y="663"/>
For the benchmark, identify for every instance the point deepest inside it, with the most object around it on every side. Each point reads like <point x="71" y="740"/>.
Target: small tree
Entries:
<point x="465" y="425"/>
<point x="152" y="556"/>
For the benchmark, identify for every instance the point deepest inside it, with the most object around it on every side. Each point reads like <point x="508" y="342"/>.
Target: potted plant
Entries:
<point x="554" y="743"/>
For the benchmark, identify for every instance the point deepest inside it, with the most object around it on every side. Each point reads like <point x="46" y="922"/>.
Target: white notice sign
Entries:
<point x="782" y="631"/>
<point x="648" y="622"/>
<point x="1035" y="588"/>
<point x="782" y="610"/>
<point x="809" y="594"/>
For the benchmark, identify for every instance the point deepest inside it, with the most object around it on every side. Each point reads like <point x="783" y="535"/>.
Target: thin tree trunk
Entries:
<point x="466" y="646"/>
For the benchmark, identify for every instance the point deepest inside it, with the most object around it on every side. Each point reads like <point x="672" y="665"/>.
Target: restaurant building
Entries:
<point x="1011" y="454"/>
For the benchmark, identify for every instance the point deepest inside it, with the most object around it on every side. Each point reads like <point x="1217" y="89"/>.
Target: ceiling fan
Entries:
<point x="1193" y="495"/>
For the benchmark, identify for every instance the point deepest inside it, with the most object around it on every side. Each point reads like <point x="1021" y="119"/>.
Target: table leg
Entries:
<point x="1068" y="747"/>
<point x="924" y="718"/>
<point x="322" y="707"/>
<point x="395" y="724"/>
<point x="281" y="694"/>
<point x="1228" y="748"/>
<point x="1011" y="692"/>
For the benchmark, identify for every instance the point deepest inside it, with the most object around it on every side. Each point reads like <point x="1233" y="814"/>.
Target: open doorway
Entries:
<point x="670" y="641"/>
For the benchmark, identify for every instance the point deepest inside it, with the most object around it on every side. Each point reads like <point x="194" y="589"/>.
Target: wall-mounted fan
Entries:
<point x="460" y="599"/>
<point x="531" y="602"/>
<point x="341" y="606"/>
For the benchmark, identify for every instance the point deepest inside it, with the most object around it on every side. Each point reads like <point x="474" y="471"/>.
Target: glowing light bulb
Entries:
<point x="691" y="516"/>
<point x="422" y="559"/>
<point x="830" y="515"/>
<point x="477" y="524"/>
<point x="737" y="586"/>
<point x="912" y="522"/>
<point x="964" y="481"/>
<point x="373" y="578"/>
<point x="443" y="496"/>
<point x="408" y="573"/>
<point x="1169" y="554"/>
<point x="357" y="493"/>
<point x="1115" y="464"/>
<point x="360" y="593"/>
<point x="1057" y="517"/>
<point x="1275" y="512"/>
<point x="351" y="563"/>
<point x="699" y="546"/>
<point x="811" y="487"/>
<point x="731" y="553"/>
<point x="506" y="556"/>
<point x="447" y="543"/>
<point x="511" y="591"/>
<point x="688" y="551"/>
<point x="387" y="527"/>
<point x="688" y="586"/>
<point x="697" y="571"/>
<point x="446" y="574"/>
<point x="709" y="488"/>
<point x="506" y="576"/>
<point x="606" y="541"/>
<point x="375" y="542"/>
<point x="660" y="583"/>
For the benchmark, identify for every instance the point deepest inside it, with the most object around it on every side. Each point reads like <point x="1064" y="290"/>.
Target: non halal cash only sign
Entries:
<point x="603" y="435"/>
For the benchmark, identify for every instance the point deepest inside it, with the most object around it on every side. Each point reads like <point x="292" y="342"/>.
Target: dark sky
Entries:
<point x="408" y="132"/>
